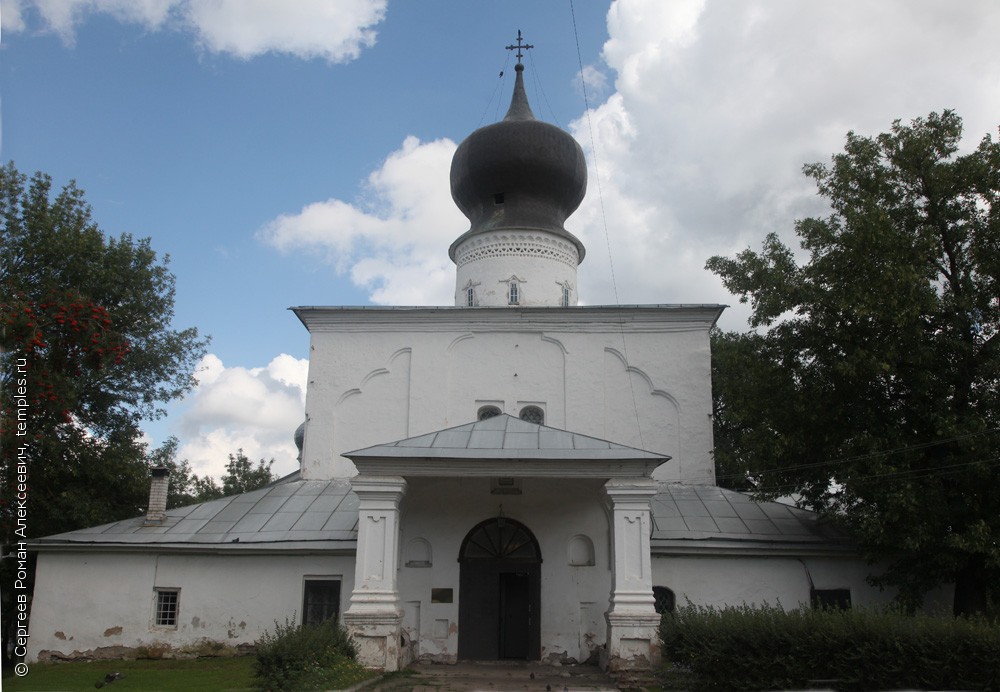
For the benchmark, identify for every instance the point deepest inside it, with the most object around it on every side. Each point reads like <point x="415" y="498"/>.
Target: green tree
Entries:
<point x="871" y="389"/>
<point x="242" y="476"/>
<point x="88" y="353"/>
<point x="187" y="488"/>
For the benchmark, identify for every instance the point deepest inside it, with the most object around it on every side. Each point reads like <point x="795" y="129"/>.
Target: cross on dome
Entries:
<point x="518" y="47"/>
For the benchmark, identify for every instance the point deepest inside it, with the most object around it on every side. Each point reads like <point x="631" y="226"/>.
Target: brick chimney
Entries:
<point x="157" y="511"/>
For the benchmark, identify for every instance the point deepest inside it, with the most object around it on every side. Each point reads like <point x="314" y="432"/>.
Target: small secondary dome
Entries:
<point x="519" y="173"/>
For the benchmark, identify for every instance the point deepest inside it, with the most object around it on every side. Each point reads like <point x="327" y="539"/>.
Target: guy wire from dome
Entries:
<point x="604" y="218"/>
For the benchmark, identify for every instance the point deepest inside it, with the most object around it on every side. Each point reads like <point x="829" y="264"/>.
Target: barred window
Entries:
<point x="320" y="601"/>
<point x="565" y="296"/>
<point x="470" y="296"/>
<point x="513" y="296"/>
<point x="166" y="607"/>
<point x="533" y="414"/>
<point x="831" y="599"/>
<point x="663" y="600"/>
<point x="487" y="412"/>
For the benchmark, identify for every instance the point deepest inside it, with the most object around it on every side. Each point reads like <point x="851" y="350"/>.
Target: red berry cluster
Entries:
<point x="63" y="336"/>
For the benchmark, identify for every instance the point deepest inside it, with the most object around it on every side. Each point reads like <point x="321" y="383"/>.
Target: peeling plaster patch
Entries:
<point x="112" y="631"/>
<point x="155" y="650"/>
<point x="196" y="621"/>
<point x="59" y="635"/>
<point x="243" y="624"/>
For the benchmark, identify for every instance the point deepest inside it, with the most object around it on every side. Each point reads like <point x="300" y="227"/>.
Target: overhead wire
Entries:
<point x="501" y="80"/>
<point x="604" y="223"/>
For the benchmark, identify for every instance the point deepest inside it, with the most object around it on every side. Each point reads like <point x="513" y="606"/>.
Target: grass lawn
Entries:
<point x="193" y="675"/>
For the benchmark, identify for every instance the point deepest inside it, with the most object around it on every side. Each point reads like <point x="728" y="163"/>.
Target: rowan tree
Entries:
<point x="88" y="353"/>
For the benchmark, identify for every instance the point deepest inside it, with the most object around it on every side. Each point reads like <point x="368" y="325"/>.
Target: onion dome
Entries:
<point x="300" y="438"/>
<point x="520" y="173"/>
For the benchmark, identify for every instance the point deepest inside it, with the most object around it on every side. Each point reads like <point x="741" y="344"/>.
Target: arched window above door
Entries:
<point x="500" y="538"/>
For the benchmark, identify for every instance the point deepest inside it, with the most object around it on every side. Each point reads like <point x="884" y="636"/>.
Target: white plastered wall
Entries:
<point x="231" y="599"/>
<point x="650" y="389"/>
<point x="439" y="512"/>
<point x="774" y="580"/>
<point x="542" y="264"/>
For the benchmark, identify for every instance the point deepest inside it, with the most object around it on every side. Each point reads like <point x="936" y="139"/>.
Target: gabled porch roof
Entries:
<point x="506" y="446"/>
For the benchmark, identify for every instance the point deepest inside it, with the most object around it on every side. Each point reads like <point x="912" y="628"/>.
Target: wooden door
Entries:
<point x="499" y="593"/>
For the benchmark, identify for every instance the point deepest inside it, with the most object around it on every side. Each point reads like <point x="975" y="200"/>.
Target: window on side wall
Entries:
<point x="830" y="599"/>
<point x="663" y="600"/>
<point x="167" y="605"/>
<point x="320" y="601"/>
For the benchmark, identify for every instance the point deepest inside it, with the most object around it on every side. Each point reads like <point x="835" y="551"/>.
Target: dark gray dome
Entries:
<point x="300" y="437"/>
<point x="519" y="173"/>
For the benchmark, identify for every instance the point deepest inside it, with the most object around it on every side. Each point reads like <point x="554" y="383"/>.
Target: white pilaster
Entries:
<point x="374" y="617"/>
<point x="633" y="623"/>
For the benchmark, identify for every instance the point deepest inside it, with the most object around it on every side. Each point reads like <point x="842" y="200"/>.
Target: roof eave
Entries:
<point x="323" y="547"/>
<point x="516" y="463"/>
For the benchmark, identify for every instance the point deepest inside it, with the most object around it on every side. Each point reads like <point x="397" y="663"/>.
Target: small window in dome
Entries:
<point x="498" y="198"/>
<point x="514" y="293"/>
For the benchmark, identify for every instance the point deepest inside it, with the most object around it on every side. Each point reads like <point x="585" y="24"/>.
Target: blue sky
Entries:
<point x="297" y="153"/>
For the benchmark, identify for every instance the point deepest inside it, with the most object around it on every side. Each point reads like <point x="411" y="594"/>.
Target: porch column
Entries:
<point x="374" y="617"/>
<point x="633" y="623"/>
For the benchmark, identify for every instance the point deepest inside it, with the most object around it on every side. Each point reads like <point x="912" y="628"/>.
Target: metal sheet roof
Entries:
<point x="709" y="513"/>
<point x="297" y="514"/>
<point x="505" y="436"/>
<point x="323" y="515"/>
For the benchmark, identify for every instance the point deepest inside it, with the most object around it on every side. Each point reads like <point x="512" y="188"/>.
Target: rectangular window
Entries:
<point x="513" y="293"/>
<point x="831" y="599"/>
<point x="320" y="601"/>
<point x="167" y="601"/>
<point x="470" y="297"/>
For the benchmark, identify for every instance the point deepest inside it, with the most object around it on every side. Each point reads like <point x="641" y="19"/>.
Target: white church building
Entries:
<point x="512" y="477"/>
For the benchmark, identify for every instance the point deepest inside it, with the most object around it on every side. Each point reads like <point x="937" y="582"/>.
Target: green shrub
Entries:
<point x="306" y="657"/>
<point x="767" y="648"/>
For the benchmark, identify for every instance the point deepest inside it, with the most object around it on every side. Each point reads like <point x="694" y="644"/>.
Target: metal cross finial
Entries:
<point x="518" y="47"/>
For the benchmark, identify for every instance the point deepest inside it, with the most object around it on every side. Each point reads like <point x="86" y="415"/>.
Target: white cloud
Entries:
<point x="256" y="409"/>
<point x="719" y="104"/>
<point x="594" y="79"/>
<point x="11" y="16"/>
<point x="716" y="107"/>
<point x="334" y="30"/>
<point x="394" y="241"/>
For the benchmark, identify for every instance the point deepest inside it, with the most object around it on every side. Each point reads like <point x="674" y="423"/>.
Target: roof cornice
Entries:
<point x="593" y="318"/>
<point x="748" y="547"/>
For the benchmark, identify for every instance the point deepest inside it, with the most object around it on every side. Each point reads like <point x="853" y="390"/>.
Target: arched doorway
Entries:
<point x="500" y="590"/>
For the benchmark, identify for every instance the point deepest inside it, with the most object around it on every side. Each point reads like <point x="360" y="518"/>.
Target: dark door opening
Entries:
<point x="515" y="614"/>
<point x="499" y="593"/>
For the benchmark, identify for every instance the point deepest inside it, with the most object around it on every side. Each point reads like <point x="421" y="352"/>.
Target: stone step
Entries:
<point x="496" y="677"/>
